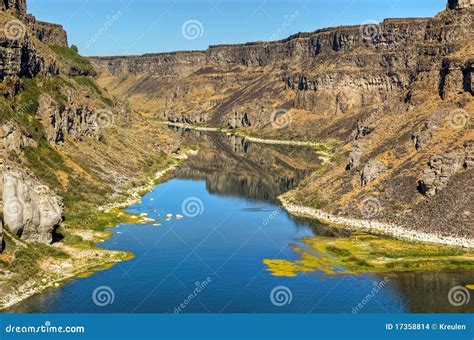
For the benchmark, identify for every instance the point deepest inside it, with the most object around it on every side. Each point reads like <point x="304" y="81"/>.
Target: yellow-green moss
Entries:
<point x="367" y="253"/>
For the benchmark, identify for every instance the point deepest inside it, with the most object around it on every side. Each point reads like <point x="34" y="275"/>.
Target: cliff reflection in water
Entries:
<point x="233" y="166"/>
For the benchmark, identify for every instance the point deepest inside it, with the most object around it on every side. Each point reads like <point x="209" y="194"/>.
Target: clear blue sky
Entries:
<point x="123" y="27"/>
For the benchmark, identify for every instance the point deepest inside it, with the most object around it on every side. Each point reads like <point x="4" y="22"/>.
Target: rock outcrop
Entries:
<point x="75" y="119"/>
<point x="371" y="171"/>
<point x="14" y="6"/>
<point x="327" y="72"/>
<point x="439" y="171"/>
<point x="19" y="55"/>
<point x="460" y="4"/>
<point x="13" y="140"/>
<point x="30" y="210"/>
<point x="47" y="33"/>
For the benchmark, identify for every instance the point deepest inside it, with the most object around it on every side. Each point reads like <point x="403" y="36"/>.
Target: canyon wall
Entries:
<point x="361" y="66"/>
<point x="393" y="96"/>
<point x="49" y="34"/>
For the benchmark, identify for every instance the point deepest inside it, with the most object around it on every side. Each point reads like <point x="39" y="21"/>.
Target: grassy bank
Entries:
<point x="362" y="252"/>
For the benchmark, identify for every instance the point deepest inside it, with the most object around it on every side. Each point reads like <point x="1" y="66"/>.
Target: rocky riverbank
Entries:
<point x="373" y="226"/>
<point x="74" y="261"/>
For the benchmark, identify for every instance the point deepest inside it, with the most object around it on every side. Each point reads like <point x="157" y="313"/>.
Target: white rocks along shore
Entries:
<point x="375" y="227"/>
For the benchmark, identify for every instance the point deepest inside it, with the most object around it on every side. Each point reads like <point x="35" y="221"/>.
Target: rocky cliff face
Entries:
<point x="61" y="135"/>
<point x="392" y="96"/>
<point x="50" y="34"/>
<point x="14" y="6"/>
<point x="361" y="67"/>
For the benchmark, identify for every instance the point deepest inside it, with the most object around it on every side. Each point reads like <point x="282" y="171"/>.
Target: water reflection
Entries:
<point x="233" y="166"/>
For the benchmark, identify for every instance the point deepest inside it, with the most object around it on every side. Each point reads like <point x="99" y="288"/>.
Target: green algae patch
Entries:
<point x="362" y="253"/>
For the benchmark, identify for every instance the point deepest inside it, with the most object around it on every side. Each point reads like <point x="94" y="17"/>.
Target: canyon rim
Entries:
<point x="387" y="105"/>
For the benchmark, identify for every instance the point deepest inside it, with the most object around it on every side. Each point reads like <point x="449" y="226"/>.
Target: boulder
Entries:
<point x="11" y="139"/>
<point x="372" y="170"/>
<point x="30" y="210"/>
<point x="438" y="172"/>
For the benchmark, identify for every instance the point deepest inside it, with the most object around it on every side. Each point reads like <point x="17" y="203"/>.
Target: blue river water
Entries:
<point x="208" y="257"/>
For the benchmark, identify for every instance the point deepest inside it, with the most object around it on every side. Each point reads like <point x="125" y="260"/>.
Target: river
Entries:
<point x="208" y="257"/>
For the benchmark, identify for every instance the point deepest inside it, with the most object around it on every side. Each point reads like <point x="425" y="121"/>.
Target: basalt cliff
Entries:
<point x="390" y="105"/>
<point x="62" y="144"/>
<point x="393" y="102"/>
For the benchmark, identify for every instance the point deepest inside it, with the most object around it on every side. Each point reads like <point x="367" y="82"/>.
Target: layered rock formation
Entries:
<point x="75" y="119"/>
<point x="50" y="34"/>
<point x="361" y="68"/>
<point x="392" y="96"/>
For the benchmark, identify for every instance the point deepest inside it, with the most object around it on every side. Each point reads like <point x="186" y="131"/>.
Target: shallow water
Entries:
<point x="211" y="259"/>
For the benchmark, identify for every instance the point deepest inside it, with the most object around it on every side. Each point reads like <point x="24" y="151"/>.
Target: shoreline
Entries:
<point x="33" y="288"/>
<point x="243" y="135"/>
<point x="136" y="194"/>
<point x="374" y="227"/>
